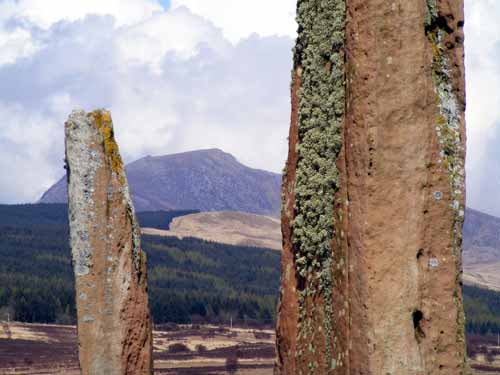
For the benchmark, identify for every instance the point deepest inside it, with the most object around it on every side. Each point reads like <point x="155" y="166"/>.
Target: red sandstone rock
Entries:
<point x="114" y="324"/>
<point x="374" y="191"/>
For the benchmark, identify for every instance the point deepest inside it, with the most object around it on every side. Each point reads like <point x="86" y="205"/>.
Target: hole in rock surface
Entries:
<point x="417" y="317"/>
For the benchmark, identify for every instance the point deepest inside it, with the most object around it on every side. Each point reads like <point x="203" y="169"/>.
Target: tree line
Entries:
<point x="190" y="280"/>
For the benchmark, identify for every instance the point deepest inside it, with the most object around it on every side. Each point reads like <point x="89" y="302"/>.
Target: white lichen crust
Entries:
<point x="452" y="150"/>
<point x="84" y="164"/>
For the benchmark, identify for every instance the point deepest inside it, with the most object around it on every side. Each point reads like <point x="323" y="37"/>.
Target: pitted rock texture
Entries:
<point x="114" y="324"/>
<point x="373" y="192"/>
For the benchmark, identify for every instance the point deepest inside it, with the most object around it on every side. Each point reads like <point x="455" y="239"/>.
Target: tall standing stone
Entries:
<point x="114" y="325"/>
<point x="374" y="191"/>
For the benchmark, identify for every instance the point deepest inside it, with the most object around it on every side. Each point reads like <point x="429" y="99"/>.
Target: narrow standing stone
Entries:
<point x="114" y="324"/>
<point x="374" y="191"/>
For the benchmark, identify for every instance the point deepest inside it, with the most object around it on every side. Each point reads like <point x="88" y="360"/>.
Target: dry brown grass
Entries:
<point x="486" y="275"/>
<point x="234" y="228"/>
<point x="51" y="349"/>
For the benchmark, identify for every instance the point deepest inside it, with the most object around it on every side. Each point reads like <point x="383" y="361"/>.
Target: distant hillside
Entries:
<point x="482" y="250"/>
<point x="205" y="180"/>
<point x="234" y="228"/>
<point x="481" y="238"/>
<point x="188" y="279"/>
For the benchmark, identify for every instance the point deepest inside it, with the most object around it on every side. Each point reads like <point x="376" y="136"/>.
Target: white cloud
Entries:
<point x="172" y="82"/>
<point x="178" y="32"/>
<point x="29" y="158"/>
<point x="239" y="19"/>
<point x="227" y="100"/>
<point x="44" y="13"/>
<point x="15" y="44"/>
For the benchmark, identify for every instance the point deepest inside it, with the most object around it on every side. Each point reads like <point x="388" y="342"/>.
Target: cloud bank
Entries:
<point x="173" y="80"/>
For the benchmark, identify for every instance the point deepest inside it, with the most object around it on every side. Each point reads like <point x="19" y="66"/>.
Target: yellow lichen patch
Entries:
<point x="104" y="123"/>
<point x="441" y="120"/>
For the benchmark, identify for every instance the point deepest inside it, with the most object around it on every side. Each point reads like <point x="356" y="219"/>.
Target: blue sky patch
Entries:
<point x="165" y="3"/>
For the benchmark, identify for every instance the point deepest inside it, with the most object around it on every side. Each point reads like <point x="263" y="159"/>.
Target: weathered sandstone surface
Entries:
<point x="114" y="325"/>
<point x="374" y="191"/>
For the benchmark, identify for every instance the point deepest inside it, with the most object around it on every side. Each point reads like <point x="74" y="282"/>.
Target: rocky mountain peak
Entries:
<point x="205" y="180"/>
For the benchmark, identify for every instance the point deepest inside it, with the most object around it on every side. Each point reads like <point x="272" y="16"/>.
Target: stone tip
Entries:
<point x="100" y="120"/>
<point x="77" y="112"/>
<point x="103" y="122"/>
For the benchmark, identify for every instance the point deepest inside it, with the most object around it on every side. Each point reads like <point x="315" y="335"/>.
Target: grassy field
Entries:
<point x="31" y="349"/>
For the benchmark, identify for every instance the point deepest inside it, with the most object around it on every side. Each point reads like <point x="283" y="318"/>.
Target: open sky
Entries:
<point x="186" y="74"/>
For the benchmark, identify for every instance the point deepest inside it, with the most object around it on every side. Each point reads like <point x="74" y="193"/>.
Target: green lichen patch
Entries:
<point x="432" y="13"/>
<point x="319" y="54"/>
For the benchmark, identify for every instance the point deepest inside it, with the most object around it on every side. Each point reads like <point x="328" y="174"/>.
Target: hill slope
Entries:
<point x="481" y="244"/>
<point x="188" y="279"/>
<point x="205" y="180"/>
<point x="481" y="238"/>
<point x="233" y="228"/>
<point x="482" y="250"/>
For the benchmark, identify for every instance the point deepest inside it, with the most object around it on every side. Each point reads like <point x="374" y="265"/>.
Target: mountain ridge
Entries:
<point x="205" y="180"/>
